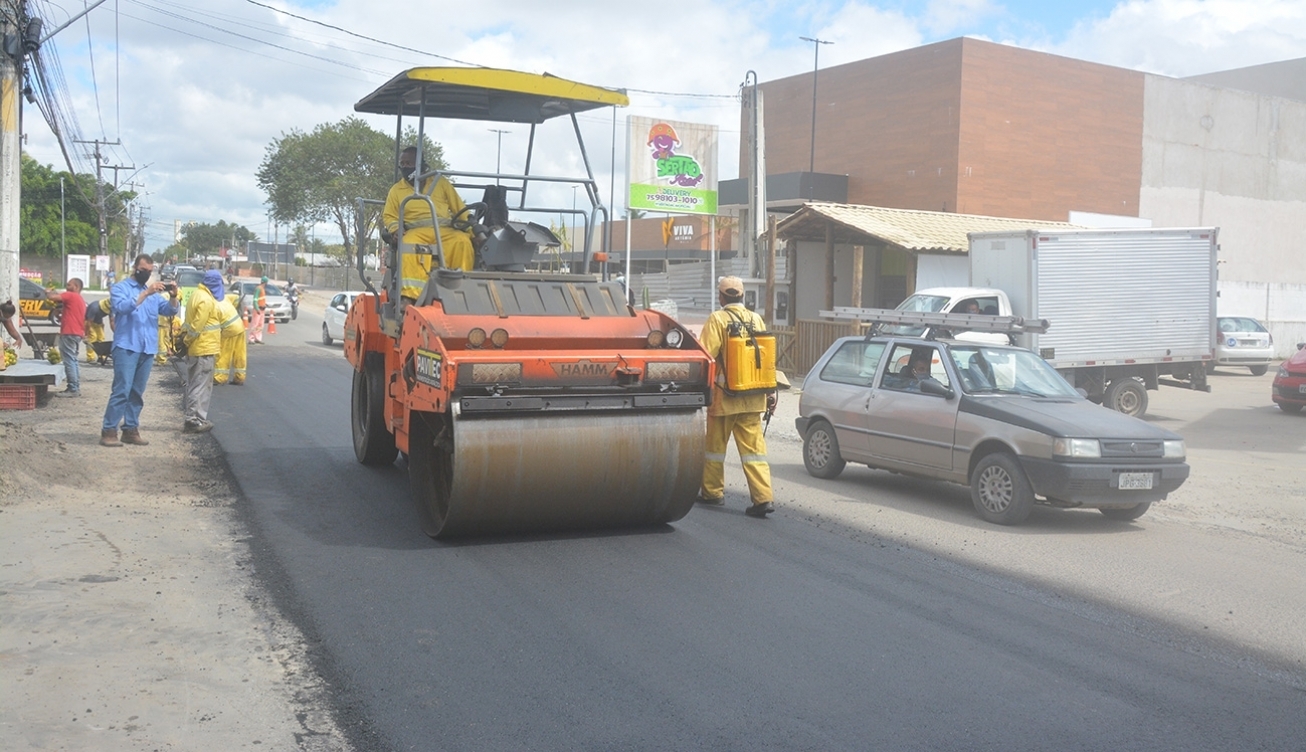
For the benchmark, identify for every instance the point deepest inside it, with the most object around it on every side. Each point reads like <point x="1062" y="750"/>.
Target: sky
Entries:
<point x="193" y="92"/>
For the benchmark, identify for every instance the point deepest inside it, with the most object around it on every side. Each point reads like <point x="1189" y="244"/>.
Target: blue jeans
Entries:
<point x="131" y="373"/>
<point x="69" y="345"/>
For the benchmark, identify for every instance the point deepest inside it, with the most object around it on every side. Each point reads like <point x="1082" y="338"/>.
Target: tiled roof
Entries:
<point x="909" y="229"/>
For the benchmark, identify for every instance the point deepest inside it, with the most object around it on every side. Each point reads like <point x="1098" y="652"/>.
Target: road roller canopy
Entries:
<point x="491" y="94"/>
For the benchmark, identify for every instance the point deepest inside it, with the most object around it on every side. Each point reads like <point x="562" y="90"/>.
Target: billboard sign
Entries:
<point x="672" y="166"/>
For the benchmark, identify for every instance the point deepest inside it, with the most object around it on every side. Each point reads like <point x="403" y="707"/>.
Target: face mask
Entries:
<point x="143" y="276"/>
<point x="410" y="175"/>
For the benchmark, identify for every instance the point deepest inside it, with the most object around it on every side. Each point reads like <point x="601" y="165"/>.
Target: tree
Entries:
<point x="203" y="239"/>
<point x="316" y="177"/>
<point x="39" y="226"/>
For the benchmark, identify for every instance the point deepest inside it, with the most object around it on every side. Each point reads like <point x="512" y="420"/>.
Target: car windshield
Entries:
<point x="999" y="370"/>
<point x="189" y="278"/>
<point x="916" y="304"/>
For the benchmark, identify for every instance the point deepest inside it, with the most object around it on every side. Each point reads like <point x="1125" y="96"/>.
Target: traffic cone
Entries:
<point x="272" y="324"/>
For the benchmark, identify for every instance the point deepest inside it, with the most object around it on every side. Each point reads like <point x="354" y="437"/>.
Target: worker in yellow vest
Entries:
<point x="735" y="415"/>
<point x="231" y="358"/>
<point x="257" y="311"/>
<point x="203" y="338"/>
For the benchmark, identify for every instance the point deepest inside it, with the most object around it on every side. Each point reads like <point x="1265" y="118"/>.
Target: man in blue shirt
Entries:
<point x="136" y="307"/>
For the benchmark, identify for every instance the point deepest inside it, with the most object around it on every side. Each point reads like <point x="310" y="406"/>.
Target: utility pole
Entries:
<point x="99" y="190"/>
<point x="63" y="236"/>
<point x="816" y="60"/>
<point x="21" y="36"/>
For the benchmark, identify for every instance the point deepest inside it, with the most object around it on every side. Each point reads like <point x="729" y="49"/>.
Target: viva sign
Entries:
<point x="672" y="166"/>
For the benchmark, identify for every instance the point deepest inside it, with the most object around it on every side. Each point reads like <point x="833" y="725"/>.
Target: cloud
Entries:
<point x="1190" y="37"/>
<point x="202" y="87"/>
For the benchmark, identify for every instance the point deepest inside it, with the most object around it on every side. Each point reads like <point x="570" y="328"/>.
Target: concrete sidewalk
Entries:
<point x="130" y="618"/>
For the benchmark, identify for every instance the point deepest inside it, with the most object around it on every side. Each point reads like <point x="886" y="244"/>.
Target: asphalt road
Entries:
<point x="718" y="632"/>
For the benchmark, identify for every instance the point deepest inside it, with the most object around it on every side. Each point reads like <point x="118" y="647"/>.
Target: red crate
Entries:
<point x="17" y="397"/>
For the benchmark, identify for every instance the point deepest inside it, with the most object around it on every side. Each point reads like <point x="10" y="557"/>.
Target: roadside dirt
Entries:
<point x="129" y="618"/>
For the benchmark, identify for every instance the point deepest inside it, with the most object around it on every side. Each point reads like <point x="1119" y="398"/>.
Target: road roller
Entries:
<point x="525" y="394"/>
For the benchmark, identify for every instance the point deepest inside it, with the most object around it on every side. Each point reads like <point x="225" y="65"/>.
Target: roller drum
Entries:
<point x="540" y="472"/>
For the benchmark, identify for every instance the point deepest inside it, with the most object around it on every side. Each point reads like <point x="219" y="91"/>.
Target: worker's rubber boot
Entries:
<point x="109" y="437"/>
<point x="133" y="436"/>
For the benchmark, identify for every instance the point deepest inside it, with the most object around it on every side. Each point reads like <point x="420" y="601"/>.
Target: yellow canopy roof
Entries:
<point x="486" y="94"/>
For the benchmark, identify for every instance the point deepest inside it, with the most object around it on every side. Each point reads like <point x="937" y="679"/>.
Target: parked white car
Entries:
<point x="1244" y="341"/>
<point x="333" y="319"/>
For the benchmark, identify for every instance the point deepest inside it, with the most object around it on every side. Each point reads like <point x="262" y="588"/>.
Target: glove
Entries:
<point x="771" y="401"/>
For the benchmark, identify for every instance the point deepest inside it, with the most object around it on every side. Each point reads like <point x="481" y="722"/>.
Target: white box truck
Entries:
<point x="1128" y="310"/>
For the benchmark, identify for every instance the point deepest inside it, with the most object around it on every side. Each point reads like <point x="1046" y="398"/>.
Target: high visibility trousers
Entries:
<point x="231" y="359"/>
<point x="256" y="325"/>
<point x="165" y="341"/>
<point x="747" y="430"/>
<point x="94" y="333"/>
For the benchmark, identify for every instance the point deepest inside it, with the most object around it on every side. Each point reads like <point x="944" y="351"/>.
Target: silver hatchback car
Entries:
<point x="996" y="418"/>
<point x="1244" y="341"/>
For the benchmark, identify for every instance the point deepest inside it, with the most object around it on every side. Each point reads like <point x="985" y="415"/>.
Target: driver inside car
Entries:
<point x="419" y="228"/>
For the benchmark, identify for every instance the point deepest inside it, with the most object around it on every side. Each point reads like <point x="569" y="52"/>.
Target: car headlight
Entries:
<point x="1173" y="449"/>
<point x="1283" y="371"/>
<point x="1079" y="448"/>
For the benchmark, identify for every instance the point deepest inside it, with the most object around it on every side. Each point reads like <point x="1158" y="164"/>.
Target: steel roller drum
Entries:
<point x="565" y="471"/>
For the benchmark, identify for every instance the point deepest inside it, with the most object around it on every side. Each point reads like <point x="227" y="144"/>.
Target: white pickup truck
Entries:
<point x="1128" y="310"/>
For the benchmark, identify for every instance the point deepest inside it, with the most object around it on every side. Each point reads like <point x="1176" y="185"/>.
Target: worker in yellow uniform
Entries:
<point x="419" y="228"/>
<point x="231" y="356"/>
<point x="97" y="315"/>
<point x="167" y="330"/>
<point x="735" y="415"/>
<point x="258" y="308"/>
<point x="202" y="335"/>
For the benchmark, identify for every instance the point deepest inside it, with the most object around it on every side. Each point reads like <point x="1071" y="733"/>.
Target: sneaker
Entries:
<point x="760" y="510"/>
<point x="197" y="426"/>
<point x="716" y="501"/>
<point x="68" y="393"/>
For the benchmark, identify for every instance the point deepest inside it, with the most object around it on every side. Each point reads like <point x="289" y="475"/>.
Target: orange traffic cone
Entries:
<point x="272" y="324"/>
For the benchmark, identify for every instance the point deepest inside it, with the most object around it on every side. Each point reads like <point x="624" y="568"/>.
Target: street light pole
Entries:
<point x="816" y="59"/>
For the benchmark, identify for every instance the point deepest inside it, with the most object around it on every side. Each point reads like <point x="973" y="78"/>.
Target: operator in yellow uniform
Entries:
<point x="739" y="416"/>
<point x="167" y="331"/>
<point x="415" y="268"/>
<point x="97" y="314"/>
<point x="203" y="343"/>
<point x="231" y="356"/>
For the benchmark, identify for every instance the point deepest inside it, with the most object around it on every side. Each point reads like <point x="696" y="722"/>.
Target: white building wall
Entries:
<point x="1281" y="307"/>
<point x="1231" y="159"/>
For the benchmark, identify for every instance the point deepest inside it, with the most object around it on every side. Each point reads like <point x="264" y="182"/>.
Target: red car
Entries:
<point x="1289" y="389"/>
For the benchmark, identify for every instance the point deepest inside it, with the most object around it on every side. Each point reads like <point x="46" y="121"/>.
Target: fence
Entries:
<point x="797" y="348"/>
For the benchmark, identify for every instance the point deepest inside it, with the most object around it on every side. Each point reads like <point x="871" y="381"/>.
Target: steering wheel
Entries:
<point x="470" y="217"/>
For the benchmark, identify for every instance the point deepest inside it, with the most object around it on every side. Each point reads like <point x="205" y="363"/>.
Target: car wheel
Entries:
<point x="1125" y="514"/>
<point x="1126" y="396"/>
<point x="1290" y="407"/>
<point x="56" y="317"/>
<point x="1000" y="491"/>
<point x="821" y="451"/>
<point x="326" y="334"/>
<point x="1258" y="370"/>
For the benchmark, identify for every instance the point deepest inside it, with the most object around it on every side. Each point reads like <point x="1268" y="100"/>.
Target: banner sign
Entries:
<point x="672" y="166"/>
<point x="79" y="266"/>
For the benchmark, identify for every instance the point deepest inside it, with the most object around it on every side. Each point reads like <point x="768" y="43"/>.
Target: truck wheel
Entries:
<point x="1126" y="514"/>
<point x="1000" y="491"/>
<point x="373" y="442"/>
<point x="326" y="335"/>
<point x="1126" y="396"/>
<point x="430" y="469"/>
<point x="1258" y="370"/>
<point x="821" y="451"/>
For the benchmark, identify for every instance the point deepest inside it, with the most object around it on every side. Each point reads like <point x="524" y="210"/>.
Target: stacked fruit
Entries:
<point x="11" y="357"/>
<point x="53" y="356"/>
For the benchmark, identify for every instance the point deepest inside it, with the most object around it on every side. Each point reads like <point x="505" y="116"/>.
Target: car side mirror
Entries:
<point x="930" y="386"/>
<point x="1082" y="392"/>
<point x="1300" y="345"/>
<point x="342" y="308"/>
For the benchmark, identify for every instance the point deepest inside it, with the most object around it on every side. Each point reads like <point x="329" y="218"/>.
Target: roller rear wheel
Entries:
<point x="373" y="442"/>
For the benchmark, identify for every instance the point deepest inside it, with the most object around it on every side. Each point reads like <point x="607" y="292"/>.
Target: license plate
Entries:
<point x="1135" y="481"/>
<point x="1301" y="389"/>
